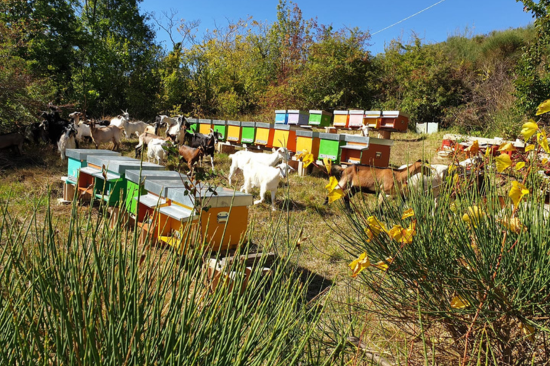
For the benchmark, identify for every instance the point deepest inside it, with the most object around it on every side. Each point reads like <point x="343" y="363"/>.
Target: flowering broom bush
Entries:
<point x="468" y="273"/>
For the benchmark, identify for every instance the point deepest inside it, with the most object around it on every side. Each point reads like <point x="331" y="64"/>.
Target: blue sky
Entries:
<point x="433" y="25"/>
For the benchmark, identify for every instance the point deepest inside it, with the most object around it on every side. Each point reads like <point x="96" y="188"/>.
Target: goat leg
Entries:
<point x="273" y="200"/>
<point x="212" y="161"/>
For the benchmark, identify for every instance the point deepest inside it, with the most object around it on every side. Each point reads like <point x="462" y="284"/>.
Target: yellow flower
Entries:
<point x="513" y="224"/>
<point x="383" y="265"/>
<point x="332" y="184"/>
<point x="503" y="162"/>
<point x="328" y="165"/>
<point x="529" y="148"/>
<point x="528" y="330"/>
<point x="488" y="151"/>
<point x="407" y="213"/>
<point x="529" y="129"/>
<point x="474" y="215"/>
<point x="453" y="207"/>
<point x="458" y="302"/>
<point x="334" y="194"/>
<point x="544" y="161"/>
<point x="517" y="192"/>
<point x="544" y="107"/>
<point x="370" y="234"/>
<point x="506" y="147"/>
<point x="543" y="142"/>
<point x="474" y="148"/>
<point x="375" y="226"/>
<point x="307" y="159"/>
<point x="403" y="236"/>
<point x="302" y="154"/>
<point x="451" y="169"/>
<point x="359" y="264"/>
<point x="520" y="165"/>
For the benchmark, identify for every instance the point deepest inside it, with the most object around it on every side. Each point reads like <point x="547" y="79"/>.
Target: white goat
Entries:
<point x="134" y="127"/>
<point x="120" y="120"/>
<point x="265" y="177"/>
<point x="67" y="141"/>
<point x="106" y="134"/>
<point x="82" y="129"/>
<point x="439" y="173"/>
<point x="242" y="158"/>
<point x="155" y="150"/>
<point x="169" y="121"/>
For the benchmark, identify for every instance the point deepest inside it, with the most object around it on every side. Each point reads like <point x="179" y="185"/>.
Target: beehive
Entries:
<point x="248" y="132"/>
<point x="77" y="159"/>
<point x="234" y="131"/>
<point x="281" y="117"/>
<point x="285" y="136"/>
<point x="329" y="146"/>
<point x="394" y="121"/>
<point x="356" y="118"/>
<point x="341" y="119"/>
<point x="372" y="119"/>
<point x="110" y="186"/>
<point x="264" y="134"/>
<point x="221" y="127"/>
<point x="297" y="117"/>
<point x="135" y="188"/>
<point x="205" y="125"/>
<point x="194" y="125"/>
<point x="365" y="151"/>
<point x="319" y="118"/>
<point x="308" y="140"/>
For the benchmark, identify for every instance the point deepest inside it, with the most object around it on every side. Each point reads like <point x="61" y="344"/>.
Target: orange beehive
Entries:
<point x="394" y="121"/>
<point x="365" y="151"/>
<point x="372" y="119"/>
<point x="341" y="119"/>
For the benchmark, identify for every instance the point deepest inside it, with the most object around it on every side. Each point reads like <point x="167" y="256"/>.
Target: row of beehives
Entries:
<point x="340" y="148"/>
<point x="160" y="200"/>
<point x="353" y="119"/>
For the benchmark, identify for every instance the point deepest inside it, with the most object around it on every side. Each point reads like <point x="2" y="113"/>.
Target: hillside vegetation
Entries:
<point x="92" y="56"/>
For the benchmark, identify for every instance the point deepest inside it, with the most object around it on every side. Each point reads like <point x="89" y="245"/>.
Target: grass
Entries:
<point x="319" y="259"/>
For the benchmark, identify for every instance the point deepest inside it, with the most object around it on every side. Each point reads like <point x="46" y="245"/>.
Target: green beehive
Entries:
<point x="329" y="146"/>
<point x="194" y="124"/>
<point x="135" y="189"/>
<point x="248" y="132"/>
<point x="221" y="127"/>
<point x="319" y="118"/>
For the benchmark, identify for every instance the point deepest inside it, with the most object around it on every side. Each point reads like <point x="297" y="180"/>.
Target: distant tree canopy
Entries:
<point x="101" y="56"/>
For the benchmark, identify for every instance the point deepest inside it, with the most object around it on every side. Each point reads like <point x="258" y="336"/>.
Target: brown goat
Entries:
<point x="106" y="134"/>
<point x="13" y="140"/>
<point x="190" y="155"/>
<point x="369" y="179"/>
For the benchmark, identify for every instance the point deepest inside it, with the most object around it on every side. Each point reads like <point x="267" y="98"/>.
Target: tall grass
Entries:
<point x="465" y="293"/>
<point x="93" y="295"/>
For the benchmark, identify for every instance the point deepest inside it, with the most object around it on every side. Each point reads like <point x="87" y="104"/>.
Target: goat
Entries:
<point x="265" y="177"/>
<point x="12" y="140"/>
<point x="144" y="139"/>
<point x="106" y="134"/>
<point x="439" y="173"/>
<point x="168" y="121"/>
<point x="67" y="141"/>
<point x="208" y="142"/>
<point x="368" y="179"/>
<point x="178" y="131"/>
<point x="242" y="158"/>
<point x="190" y="155"/>
<point x="53" y="125"/>
<point x="134" y="127"/>
<point x="153" y="128"/>
<point x="155" y="150"/>
<point x="34" y="133"/>
<point x="120" y="120"/>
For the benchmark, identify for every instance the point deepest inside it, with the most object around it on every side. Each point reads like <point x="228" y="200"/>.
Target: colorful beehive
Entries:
<point x="78" y="159"/>
<point x="285" y="136"/>
<point x="394" y="121"/>
<point x="319" y="118"/>
<point x="372" y="119"/>
<point x="135" y="188"/>
<point x="248" y="132"/>
<point x="169" y="208"/>
<point x="234" y="131"/>
<point x="329" y="146"/>
<point x="365" y="151"/>
<point x="308" y="140"/>
<point x="110" y="186"/>
<point x="281" y="117"/>
<point x="221" y="127"/>
<point x="205" y="125"/>
<point x="264" y="134"/>
<point x="341" y="119"/>
<point x="194" y="124"/>
<point x="356" y="118"/>
<point x="297" y="117"/>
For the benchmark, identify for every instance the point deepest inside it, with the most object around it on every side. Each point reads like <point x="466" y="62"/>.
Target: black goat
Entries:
<point x="53" y="125"/>
<point x="208" y="142"/>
